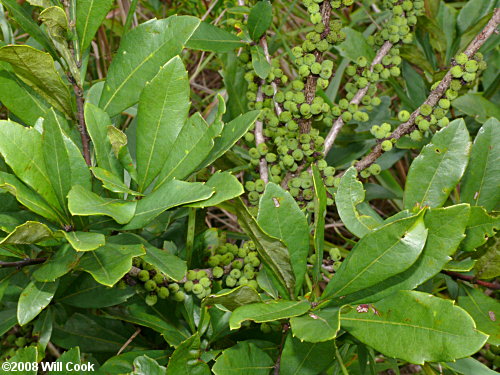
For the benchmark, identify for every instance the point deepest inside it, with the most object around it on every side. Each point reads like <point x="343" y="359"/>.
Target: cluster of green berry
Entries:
<point x="492" y="354"/>
<point x="156" y="283"/>
<point x="17" y="337"/>
<point x="331" y="262"/>
<point x="234" y="266"/>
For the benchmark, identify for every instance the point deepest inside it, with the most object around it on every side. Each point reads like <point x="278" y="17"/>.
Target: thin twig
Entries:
<point x="473" y="280"/>
<point x="259" y="139"/>
<point x="82" y="127"/>
<point x="436" y="94"/>
<point x="339" y="123"/>
<point x="127" y="343"/>
<point x="22" y="263"/>
<point x="286" y="328"/>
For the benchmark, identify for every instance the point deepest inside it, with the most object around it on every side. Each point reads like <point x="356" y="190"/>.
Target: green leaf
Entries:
<point x="306" y="358"/>
<point x="484" y="310"/>
<point x="85" y="241"/>
<point x="163" y="111"/>
<point x="42" y="328"/>
<point x="98" y="122"/>
<point x="260" y="64"/>
<point x="226" y="187"/>
<point x="476" y="106"/>
<point x="383" y="253"/>
<point x="21" y="99"/>
<point x="132" y="67"/>
<point x="24" y="19"/>
<point x="438" y="168"/>
<point x="154" y="318"/>
<point x="319" y="222"/>
<point x="86" y="293"/>
<point x="28" y="233"/>
<point x="260" y="19"/>
<point x="171" y="265"/>
<point x="189" y="150"/>
<point x="234" y="298"/>
<point x="446" y="227"/>
<point x="123" y="363"/>
<point x="349" y="195"/>
<point x="21" y="148"/>
<point x="479" y="227"/>
<point x="57" y="25"/>
<point x="244" y="358"/>
<point x="27" y="197"/>
<point x="230" y="134"/>
<point x="211" y="38"/>
<point x="233" y="75"/>
<point x="89" y="16"/>
<point x="480" y="183"/>
<point x="69" y="360"/>
<point x="34" y="298"/>
<point x="415" y="85"/>
<point x="86" y="203"/>
<point x="109" y="263"/>
<point x="119" y="142"/>
<point x="112" y="182"/>
<point x="317" y="326"/>
<point x="280" y="216"/>
<point x="268" y="312"/>
<point x="24" y="355"/>
<point x="416" y="327"/>
<point x="171" y="194"/>
<point x="472" y="12"/>
<point x="144" y="365"/>
<point x="59" y="264"/>
<point x="185" y="360"/>
<point x="271" y="250"/>
<point x="488" y="265"/>
<point x="355" y="45"/>
<point x="95" y="334"/>
<point x="470" y="365"/>
<point x="8" y="320"/>
<point x="56" y="158"/>
<point x="37" y="70"/>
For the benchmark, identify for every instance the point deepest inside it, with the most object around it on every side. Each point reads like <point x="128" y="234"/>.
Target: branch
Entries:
<point x="310" y="86"/>
<point x="22" y="263"/>
<point x="277" y="365"/>
<point x="436" y="94"/>
<point x="339" y="123"/>
<point x="259" y="139"/>
<point x="82" y="127"/>
<point x="473" y="280"/>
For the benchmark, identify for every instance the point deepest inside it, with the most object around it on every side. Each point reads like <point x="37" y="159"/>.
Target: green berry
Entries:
<point x="151" y="299"/>
<point x="425" y="109"/>
<point x="174" y="287"/>
<point x="461" y="58"/>
<point x="230" y="281"/>
<point x="403" y="116"/>
<point x="444" y="103"/>
<point x="205" y="282"/>
<point x="198" y="288"/>
<point x="457" y="71"/>
<point x="386" y="145"/>
<point x="179" y="296"/>
<point x="416" y="135"/>
<point x="150" y="285"/>
<point x="374" y="169"/>
<point x="188" y="286"/>
<point x="163" y="292"/>
<point x="143" y="275"/>
<point x="217" y="272"/>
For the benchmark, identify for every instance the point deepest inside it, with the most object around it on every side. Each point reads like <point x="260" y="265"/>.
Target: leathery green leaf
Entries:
<point x="34" y="298"/>
<point x="480" y="227"/>
<point x="37" y="70"/>
<point x="208" y="37"/>
<point x="234" y="298"/>
<point x="306" y="358"/>
<point x="59" y="264"/>
<point x="317" y="326"/>
<point x="112" y="182"/>
<point x="244" y="358"/>
<point x="350" y="194"/>
<point x="226" y="187"/>
<point x="162" y="113"/>
<point x="171" y="194"/>
<point x="89" y="16"/>
<point x="280" y="216"/>
<point x="480" y="183"/>
<point x="271" y="250"/>
<point x="319" y="222"/>
<point x="21" y="147"/>
<point x="416" y="327"/>
<point x="385" y="252"/>
<point x="268" y="312"/>
<point x="484" y="310"/>
<point x="82" y="202"/>
<point x="132" y="67"/>
<point x="181" y="361"/>
<point x="438" y="168"/>
<point x="85" y="241"/>
<point x="169" y="264"/>
<point x="28" y="233"/>
<point x="109" y="263"/>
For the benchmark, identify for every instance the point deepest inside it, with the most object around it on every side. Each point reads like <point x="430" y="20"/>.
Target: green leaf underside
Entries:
<point x="244" y="358"/>
<point x="317" y="326"/>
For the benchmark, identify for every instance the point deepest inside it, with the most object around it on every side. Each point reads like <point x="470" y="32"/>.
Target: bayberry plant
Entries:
<point x="249" y="186"/>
